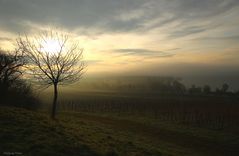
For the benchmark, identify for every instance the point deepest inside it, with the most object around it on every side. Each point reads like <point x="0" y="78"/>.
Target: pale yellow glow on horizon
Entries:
<point x="100" y="50"/>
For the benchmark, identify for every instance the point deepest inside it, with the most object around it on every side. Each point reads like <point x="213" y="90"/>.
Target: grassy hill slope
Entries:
<point x="29" y="133"/>
<point x="35" y="134"/>
<point x="81" y="134"/>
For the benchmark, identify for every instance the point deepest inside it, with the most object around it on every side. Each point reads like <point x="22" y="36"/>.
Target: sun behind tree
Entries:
<point x="52" y="60"/>
<point x="50" y="45"/>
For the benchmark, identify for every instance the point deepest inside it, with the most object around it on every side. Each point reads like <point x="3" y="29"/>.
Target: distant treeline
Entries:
<point x="160" y="85"/>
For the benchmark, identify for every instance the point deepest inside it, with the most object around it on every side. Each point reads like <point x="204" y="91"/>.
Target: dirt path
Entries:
<point x="158" y="135"/>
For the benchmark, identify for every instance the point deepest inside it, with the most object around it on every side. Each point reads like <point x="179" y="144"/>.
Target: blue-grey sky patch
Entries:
<point x="234" y="37"/>
<point x="107" y="14"/>
<point x="187" y="31"/>
<point x="143" y="52"/>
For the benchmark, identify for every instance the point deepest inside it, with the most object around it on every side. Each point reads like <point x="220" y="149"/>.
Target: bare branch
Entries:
<point x="63" y="66"/>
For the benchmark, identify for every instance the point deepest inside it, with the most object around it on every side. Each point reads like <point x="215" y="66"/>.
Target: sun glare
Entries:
<point x="50" y="46"/>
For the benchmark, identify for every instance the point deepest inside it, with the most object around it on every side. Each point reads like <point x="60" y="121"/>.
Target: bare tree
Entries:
<point x="53" y="59"/>
<point x="10" y="68"/>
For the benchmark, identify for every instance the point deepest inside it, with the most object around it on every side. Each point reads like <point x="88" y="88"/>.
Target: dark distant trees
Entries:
<point x="195" y="89"/>
<point x="207" y="89"/>
<point x="52" y="65"/>
<point x="179" y="88"/>
<point x="167" y="85"/>
<point x="160" y="86"/>
<point x="225" y="88"/>
<point x="237" y="92"/>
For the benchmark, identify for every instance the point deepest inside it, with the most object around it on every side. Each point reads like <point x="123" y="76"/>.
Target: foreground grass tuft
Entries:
<point x="30" y="133"/>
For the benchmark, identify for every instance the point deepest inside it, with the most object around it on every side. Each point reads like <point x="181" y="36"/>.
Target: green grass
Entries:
<point x="82" y="134"/>
<point x="31" y="133"/>
<point x="166" y="138"/>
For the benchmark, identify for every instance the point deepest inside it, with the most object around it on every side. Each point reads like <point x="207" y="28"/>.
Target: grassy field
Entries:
<point x="75" y="133"/>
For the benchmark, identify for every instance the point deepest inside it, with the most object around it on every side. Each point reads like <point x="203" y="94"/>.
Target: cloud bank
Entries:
<point x="119" y="33"/>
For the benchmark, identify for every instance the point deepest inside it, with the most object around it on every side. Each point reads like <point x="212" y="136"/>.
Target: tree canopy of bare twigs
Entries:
<point x="52" y="59"/>
<point x="10" y="68"/>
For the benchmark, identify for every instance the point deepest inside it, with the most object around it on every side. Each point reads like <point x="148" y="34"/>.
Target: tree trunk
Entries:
<point x="53" y="114"/>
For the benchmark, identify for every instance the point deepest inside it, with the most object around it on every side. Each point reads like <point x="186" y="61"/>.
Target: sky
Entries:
<point x="192" y="39"/>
